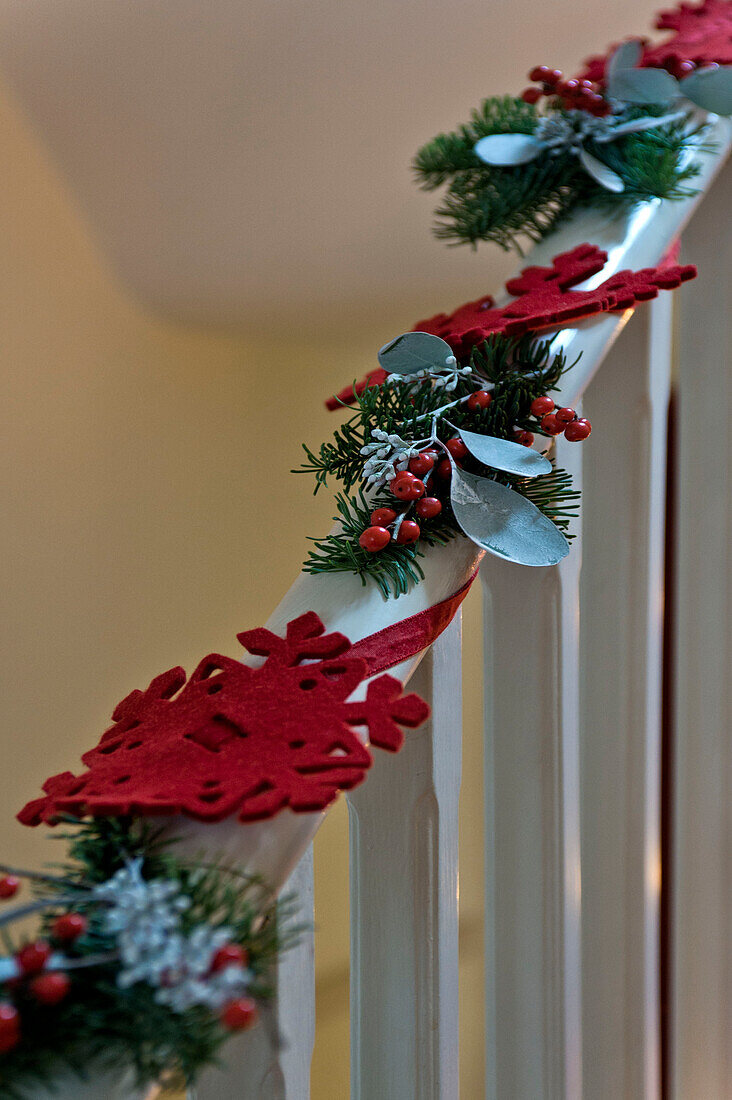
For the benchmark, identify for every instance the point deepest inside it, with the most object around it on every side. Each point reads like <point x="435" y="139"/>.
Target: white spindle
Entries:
<point x="533" y="981"/>
<point x="621" y="644"/>
<point x="273" y="1061"/>
<point x="404" y="901"/>
<point x="701" y="883"/>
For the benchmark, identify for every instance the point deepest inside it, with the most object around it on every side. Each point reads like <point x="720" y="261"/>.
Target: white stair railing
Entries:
<point x="573" y="717"/>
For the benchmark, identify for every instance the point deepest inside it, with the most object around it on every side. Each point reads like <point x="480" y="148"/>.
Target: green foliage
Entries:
<point x="520" y="369"/>
<point x="513" y="205"/>
<point x="116" y="1028"/>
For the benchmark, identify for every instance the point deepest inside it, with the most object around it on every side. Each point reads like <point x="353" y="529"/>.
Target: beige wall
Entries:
<point x="148" y="514"/>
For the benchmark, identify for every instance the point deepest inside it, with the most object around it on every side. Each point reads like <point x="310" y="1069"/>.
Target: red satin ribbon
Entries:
<point x="394" y="644"/>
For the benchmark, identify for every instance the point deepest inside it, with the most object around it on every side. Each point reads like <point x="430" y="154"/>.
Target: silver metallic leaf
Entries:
<point x="600" y="172"/>
<point x="643" y="86"/>
<point x="414" y="351"/>
<point x="504" y="523"/>
<point x="638" y="124"/>
<point x="501" y="454"/>
<point x="710" y="89"/>
<point x="508" y="150"/>
<point x="627" y="56"/>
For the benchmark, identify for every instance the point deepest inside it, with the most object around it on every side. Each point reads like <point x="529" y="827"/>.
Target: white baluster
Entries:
<point x="272" y="1062"/>
<point x="621" y="643"/>
<point x="533" y="1012"/>
<point x="701" y="880"/>
<point x="404" y="901"/>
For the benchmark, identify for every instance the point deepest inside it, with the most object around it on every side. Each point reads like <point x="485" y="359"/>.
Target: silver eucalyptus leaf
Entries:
<point x="710" y="89"/>
<point x="643" y="86"/>
<point x="501" y="454"/>
<point x="600" y="172"/>
<point x="637" y="124"/>
<point x="626" y="56"/>
<point x="508" y="150"/>
<point x="503" y="522"/>
<point x="415" y="351"/>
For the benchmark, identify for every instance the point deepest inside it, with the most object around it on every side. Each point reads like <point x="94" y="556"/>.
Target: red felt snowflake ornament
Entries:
<point x="545" y="298"/>
<point x="234" y="739"/>
<point x="702" y="33"/>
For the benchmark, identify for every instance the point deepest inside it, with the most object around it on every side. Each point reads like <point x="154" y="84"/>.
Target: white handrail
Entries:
<point x="637" y="240"/>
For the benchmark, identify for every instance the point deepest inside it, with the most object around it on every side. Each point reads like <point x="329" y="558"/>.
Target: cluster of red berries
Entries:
<point x="574" y="94"/>
<point x="47" y="987"/>
<point x="50" y="987"/>
<point x="240" y="1013"/>
<point x="409" y="487"/>
<point x="554" y="421"/>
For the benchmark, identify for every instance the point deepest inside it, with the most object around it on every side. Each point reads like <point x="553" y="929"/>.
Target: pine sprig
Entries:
<point x="518" y="369"/>
<point x="103" y="1026"/>
<point x="513" y="205"/>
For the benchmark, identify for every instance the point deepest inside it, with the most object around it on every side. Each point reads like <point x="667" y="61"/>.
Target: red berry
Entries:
<point x="456" y="447"/>
<point x="481" y="399"/>
<point x="422" y="464"/>
<point x="565" y="415"/>
<point x="443" y="469"/>
<point x="541" y="406"/>
<point x="231" y="954"/>
<point x="553" y="77"/>
<point x="9" y="1026"/>
<point x="551" y="425"/>
<point x="50" y="989"/>
<point x="382" y="517"/>
<point x="9" y="1018"/>
<point x="69" y="926"/>
<point x="407" y="489"/>
<point x="684" y="68"/>
<point x="568" y="88"/>
<point x="408" y="532"/>
<point x="239" y="1014"/>
<point x="531" y="95"/>
<point x="374" y="539"/>
<point x="577" y="430"/>
<point x="33" y="957"/>
<point x="428" y="507"/>
<point x="525" y="438"/>
<point x="9" y="886"/>
<point x="539" y="72"/>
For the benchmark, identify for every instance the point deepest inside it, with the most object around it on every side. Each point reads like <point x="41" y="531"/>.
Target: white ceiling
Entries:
<point x="246" y="162"/>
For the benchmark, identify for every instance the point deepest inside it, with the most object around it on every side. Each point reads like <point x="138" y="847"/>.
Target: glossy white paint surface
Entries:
<point x="621" y="631"/>
<point x="533" y="873"/>
<point x="701" y="875"/>
<point x="404" y="901"/>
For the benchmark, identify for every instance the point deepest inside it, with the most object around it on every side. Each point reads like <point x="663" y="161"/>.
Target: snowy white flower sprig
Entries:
<point x="144" y="917"/>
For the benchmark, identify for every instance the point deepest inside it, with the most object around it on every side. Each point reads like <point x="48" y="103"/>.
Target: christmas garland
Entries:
<point x="141" y="960"/>
<point x="619" y="134"/>
<point x="442" y="439"/>
<point x="144" y="959"/>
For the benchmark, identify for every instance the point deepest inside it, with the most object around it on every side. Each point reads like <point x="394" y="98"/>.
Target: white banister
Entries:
<point x="404" y="901"/>
<point x="701" y="878"/>
<point x="273" y="1061"/>
<point x="533" y="887"/>
<point x="621" y="639"/>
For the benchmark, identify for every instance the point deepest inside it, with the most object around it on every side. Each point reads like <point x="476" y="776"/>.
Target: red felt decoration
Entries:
<point x="544" y="298"/>
<point x="702" y="33"/>
<point x="236" y="739"/>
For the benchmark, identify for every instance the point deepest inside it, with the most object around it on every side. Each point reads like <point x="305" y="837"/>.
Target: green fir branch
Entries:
<point x="513" y="205"/>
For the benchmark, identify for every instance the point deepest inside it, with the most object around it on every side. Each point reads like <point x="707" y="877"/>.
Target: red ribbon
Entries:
<point x="394" y="644"/>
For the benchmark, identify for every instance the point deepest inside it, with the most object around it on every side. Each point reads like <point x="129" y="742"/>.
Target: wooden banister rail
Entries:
<point x="573" y="721"/>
